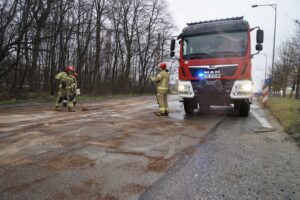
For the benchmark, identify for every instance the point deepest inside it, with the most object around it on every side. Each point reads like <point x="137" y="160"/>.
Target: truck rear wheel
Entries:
<point x="188" y="107"/>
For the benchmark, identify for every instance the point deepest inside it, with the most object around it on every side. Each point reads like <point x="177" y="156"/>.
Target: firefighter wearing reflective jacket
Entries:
<point x="162" y="80"/>
<point x="65" y="87"/>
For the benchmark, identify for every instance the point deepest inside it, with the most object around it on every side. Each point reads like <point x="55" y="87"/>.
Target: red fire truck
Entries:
<point x="215" y="64"/>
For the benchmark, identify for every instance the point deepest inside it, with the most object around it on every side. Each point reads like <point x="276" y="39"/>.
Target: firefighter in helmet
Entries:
<point x="162" y="80"/>
<point x="66" y="83"/>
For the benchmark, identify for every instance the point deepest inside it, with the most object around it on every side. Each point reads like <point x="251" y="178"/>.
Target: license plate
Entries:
<point x="212" y="74"/>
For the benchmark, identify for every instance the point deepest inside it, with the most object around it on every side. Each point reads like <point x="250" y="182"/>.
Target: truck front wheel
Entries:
<point x="188" y="107"/>
<point x="244" y="109"/>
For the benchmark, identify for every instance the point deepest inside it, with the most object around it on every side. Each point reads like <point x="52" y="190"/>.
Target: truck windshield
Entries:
<point x="220" y="45"/>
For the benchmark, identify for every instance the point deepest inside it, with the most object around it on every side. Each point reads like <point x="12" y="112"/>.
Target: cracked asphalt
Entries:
<point x="118" y="149"/>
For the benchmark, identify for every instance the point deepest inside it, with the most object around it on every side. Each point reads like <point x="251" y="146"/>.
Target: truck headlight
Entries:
<point x="181" y="87"/>
<point x="185" y="89"/>
<point x="242" y="88"/>
<point x="246" y="87"/>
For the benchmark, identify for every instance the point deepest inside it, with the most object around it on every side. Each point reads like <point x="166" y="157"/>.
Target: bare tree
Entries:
<point x="113" y="44"/>
<point x="40" y="18"/>
<point x="296" y="42"/>
<point x="287" y="68"/>
<point x="285" y="65"/>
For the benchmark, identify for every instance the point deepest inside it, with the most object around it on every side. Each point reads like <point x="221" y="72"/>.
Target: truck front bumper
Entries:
<point x="215" y="92"/>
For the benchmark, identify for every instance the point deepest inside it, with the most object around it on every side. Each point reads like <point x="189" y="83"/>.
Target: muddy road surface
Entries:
<point x="118" y="149"/>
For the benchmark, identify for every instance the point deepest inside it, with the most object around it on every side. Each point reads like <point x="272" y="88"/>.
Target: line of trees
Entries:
<point x="287" y="67"/>
<point x="113" y="44"/>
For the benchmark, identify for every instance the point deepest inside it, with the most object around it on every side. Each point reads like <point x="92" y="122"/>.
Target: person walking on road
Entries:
<point x="66" y="84"/>
<point x="162" y="81"/>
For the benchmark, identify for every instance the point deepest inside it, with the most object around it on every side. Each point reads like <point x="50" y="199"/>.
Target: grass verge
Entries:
<point x="287" y="112"/>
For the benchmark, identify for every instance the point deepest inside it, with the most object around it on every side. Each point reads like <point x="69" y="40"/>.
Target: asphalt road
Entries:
<point x="118" y="149"/>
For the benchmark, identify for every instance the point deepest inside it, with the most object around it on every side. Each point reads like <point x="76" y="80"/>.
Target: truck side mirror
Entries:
<point x="172" y="45"/>
<point x="259" y="36"/>
<point x="259" y="47"/>
<point x="172" y="48"/>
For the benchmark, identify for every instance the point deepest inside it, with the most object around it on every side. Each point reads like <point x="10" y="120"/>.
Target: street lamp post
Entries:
<point x="274" y="6"/>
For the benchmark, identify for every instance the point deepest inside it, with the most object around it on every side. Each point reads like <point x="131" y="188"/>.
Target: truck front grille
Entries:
<point x="212" y="87"/>
<point x="225" y="71"/>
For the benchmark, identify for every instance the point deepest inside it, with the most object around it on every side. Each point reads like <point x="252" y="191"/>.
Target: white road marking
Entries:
<point x="259" y="114"/>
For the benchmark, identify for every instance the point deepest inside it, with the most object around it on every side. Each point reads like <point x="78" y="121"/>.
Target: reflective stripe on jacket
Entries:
<point x="162" y="78"/>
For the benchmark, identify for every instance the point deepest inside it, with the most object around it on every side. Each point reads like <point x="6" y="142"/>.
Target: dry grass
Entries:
<point x="287" y="112"/>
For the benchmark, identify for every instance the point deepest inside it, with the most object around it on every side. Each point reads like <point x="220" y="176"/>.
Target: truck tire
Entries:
<point x="244" y="109"/>
<point x="188" y="107"/>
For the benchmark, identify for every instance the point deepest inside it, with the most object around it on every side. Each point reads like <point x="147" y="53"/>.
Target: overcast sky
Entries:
<point x="184" y="11"/>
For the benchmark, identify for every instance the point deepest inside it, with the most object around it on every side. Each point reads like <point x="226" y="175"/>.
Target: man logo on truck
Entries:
<point x="215" y="64"/>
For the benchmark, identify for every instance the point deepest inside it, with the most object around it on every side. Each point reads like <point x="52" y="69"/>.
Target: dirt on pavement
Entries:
<point x="113" y="150"/>
<point x="118" y="149"/>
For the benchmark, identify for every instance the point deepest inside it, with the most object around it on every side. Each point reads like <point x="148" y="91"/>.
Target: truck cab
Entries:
<point x="215" y="64"/>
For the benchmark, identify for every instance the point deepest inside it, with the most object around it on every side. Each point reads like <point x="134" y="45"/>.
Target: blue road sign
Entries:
<point x="268" y="81"/>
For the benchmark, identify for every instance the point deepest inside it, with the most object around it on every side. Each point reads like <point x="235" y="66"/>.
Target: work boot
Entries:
<point x="160" y="114"/>
<point x="71" y="109"/>
<point x="57" y="108"/>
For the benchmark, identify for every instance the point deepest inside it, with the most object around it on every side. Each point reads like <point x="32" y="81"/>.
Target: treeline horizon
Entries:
<point x="287" y="65"/>
<point x="114" y="45"/>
